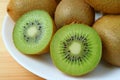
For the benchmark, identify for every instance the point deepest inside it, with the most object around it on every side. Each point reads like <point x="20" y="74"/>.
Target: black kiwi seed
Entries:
<point x="24" y="27"/>
<point x="68" y="50"/>
<point x="39" y="27"/>
<point x="38" y="23"/>
<point x="27" y="23"/>
<point x="24" y="35"/>
<point x="32" y="23"/>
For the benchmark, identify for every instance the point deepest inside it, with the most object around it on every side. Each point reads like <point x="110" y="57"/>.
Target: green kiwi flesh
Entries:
<point x="76" y="49"/>
<point x="32" y="32"/>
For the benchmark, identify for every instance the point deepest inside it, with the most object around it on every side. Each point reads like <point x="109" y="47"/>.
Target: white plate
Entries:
<point x="42" y="65"/>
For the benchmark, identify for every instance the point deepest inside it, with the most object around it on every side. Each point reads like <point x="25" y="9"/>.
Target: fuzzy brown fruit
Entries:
<point x="77" y="11"/>
<point x="105" y="6"/>
<point x="108" y="27"/>
<point x="58" y="1"/>
<point x="16" y="8"/>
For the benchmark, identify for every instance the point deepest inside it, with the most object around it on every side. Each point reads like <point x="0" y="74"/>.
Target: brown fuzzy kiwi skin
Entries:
<point x="105" y="6"/>
<point x="77" y="11"/>
<point x="108" y="27"/>
<point x="16" y="8"/>
<point x="58" y="1"/>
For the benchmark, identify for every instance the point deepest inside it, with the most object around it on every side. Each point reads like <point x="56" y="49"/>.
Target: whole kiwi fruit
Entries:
<point x="78" y="51"/>
<point x="77" y="11"/>
<point x="16" y="8"/>
<point x="105" y="6"/>
<point x="108" y="27"/>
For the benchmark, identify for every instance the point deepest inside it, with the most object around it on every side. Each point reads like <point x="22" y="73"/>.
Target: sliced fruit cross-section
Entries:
<point x="33" y="32"/>
<point x="77" y="51"/>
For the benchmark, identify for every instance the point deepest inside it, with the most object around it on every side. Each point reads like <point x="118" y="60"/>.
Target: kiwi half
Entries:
<point x="73" y="11"/>
<point x="16" y="8"/>
<point x="76" y="49"/>
<point x="108" y="27"/>
<point x="33" y="31"/>
<point x="105" y="6"/>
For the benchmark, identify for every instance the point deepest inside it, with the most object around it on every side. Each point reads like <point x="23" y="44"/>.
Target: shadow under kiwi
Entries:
<point x="44" y="58"/>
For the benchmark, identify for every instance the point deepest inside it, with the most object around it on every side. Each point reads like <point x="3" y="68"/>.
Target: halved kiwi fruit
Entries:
<point x="108" y="27"/>
<point x="105" y="6"/>
<point x="73" y="11"/>
<point x="16" y="8"/>
<point x="33" y="32"/>
<point x="76" y="49"/>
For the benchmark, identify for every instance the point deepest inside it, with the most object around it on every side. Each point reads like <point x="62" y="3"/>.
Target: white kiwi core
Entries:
<point x="75" y="48"/>
<point x="32" y="31"/>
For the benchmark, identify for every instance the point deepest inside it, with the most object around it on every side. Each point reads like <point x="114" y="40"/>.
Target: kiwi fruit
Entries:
<point x="73" y="11"/>
<point x="77" y="51"/>
<point x="108" y="27"/>
<point x="16" y="8"/>
<point x="33" y="32"/>
<point x="58" y="1"/>
<point x="105" y="6"/>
